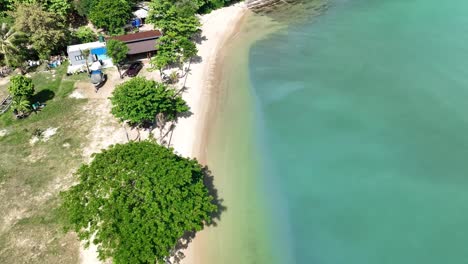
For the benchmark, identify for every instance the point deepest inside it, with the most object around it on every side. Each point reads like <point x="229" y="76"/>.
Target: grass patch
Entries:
<point x="33" y="173"/>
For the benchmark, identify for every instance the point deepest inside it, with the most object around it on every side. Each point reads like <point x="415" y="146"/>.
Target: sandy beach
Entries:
<point x="218" y="28"/>
<point x="200" y="94"/>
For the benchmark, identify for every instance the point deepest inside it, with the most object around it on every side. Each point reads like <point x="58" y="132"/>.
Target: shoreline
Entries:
<point x="210" y="109"/>
<point x="218" y="27"/>
<point x="191" y="134"/>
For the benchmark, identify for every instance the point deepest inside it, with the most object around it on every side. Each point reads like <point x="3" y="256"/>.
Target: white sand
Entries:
<point x="48" y="133"/>
<point x="44" y="137"/>
<point x="3" y="132"/>
<point x="217" y="28"/>
<point x="77" y="95"/>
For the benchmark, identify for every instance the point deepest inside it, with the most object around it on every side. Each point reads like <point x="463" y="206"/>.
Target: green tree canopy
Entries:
<point x="162" y="60"/>
<point x="175" y="16"/>
<point x="138" y="199"/>
<point x="21" y="87"/>
<point x="21" y="105"/>
<point x="59" y="7"/>
<point x="117" y="51"/>
<point x="139" y="100"/>
<point x="173" y="49"/>
<point x="47" y="30"/>
<point x="83" y="7"/>
<point x="84" y="34"/>
<point x="111" y="15"/>
<point x="205" y="6"/>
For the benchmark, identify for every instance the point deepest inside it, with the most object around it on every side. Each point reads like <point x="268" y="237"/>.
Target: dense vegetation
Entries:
<point x="117" y="50"/>
<point x="22" y="89"/>
<point x="45" y="27"/>
<point x="138" y="200"/>
<point x="139" y="101"/>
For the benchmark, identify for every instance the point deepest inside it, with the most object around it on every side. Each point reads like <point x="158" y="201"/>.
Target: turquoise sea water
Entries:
<point x="362" y="124"/>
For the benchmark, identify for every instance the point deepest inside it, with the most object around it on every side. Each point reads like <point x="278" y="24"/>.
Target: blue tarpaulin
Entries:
<point x="99" y="51"/>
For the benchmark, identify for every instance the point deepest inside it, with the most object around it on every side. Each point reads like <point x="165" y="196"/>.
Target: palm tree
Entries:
<point x="21" y="106"/>
<point x="10" y="49"/>
<point x="85" y="54"/>
<point x="173" y="77"/>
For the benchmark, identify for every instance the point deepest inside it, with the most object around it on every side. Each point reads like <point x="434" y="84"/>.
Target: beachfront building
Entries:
<point x="97" y="53"/>
<point x="141" y="45"/>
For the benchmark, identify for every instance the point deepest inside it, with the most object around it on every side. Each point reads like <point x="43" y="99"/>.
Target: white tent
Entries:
<point x="95" y="66"/>
<point x="141" y="13"/>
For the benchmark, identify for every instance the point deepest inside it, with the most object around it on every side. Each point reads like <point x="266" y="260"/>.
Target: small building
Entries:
<point x="97" y="53"/>
<point x="75" y="52"/>
<point x="140" y="44"/>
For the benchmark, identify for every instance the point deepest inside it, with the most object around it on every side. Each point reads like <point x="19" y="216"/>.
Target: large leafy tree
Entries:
<point x="173" y="49"/>
<point x="59" y="7"/>
<point x="206" y="6"/>
<point x="21" y="87"/>
<point x="175" y="16"/>
<point x="138" y="200"/>
<point x="117" y="51"/>
<point x="84" y="34"/>
<point x="83" y="7"/>
<point x="139" y="100"/>
<point x="111" y="15"/>
<point x="11" y="45"/>
<point x="46" y="30"/>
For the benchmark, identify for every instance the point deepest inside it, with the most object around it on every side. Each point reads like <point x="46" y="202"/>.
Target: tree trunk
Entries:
<point x="126" y="133"/>
<point x="120" y="72"/>
<point x="22" y="70"/>
<point x="161" y="123"/>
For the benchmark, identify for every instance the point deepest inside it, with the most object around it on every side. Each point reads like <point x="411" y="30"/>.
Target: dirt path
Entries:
<point x="105" y="131"/>
<point x="3" y="87"/>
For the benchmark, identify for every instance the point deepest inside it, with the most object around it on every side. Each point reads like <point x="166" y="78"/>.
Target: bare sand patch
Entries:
<point x="3" y="132"/>
<point x="48" y="133"/>
<point x="77" y="95"/>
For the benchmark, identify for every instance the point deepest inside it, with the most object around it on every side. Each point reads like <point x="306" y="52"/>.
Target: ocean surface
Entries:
<point x="344" y="138"/>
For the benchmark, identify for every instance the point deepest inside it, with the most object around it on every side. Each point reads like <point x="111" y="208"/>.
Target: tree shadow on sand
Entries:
<point x="177" y="255"/>
<point x="196" y="59"/>
<point x="184" y="115"/>
<point x="199" y="38"/>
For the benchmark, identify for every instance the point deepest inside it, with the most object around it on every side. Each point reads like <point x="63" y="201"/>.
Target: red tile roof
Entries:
<point x="140" y="36"/>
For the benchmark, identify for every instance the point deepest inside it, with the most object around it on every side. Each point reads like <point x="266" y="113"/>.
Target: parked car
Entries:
<point x="134" y="69"/>
<point x="98" y="79"/>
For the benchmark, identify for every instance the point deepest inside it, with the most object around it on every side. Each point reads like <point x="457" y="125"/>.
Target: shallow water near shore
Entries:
<point x="243" y="235"/>
<point x="346" y="140"/>
<point x="366" y="131"/>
